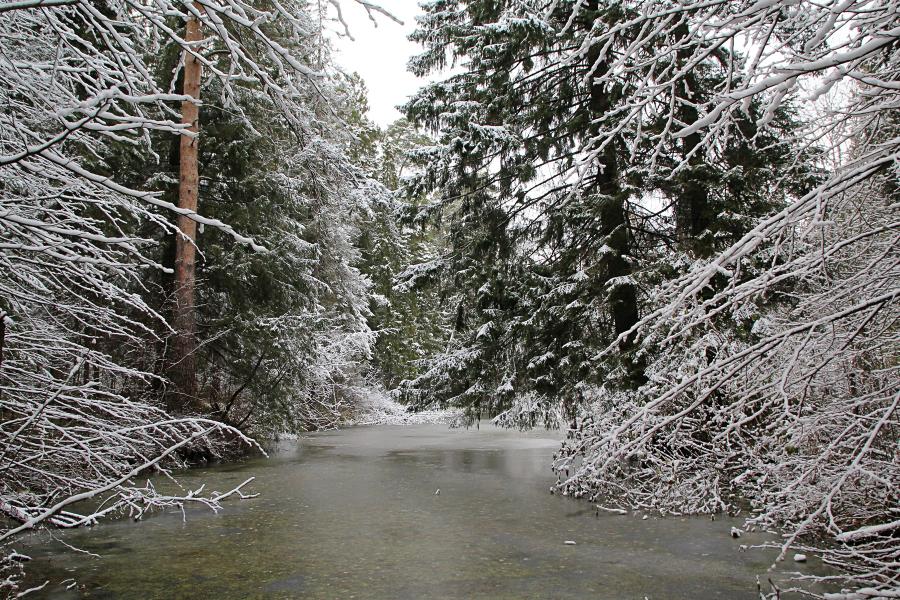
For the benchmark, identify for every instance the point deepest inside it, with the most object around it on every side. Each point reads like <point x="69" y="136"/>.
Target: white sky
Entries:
<point x="379" y="54"/>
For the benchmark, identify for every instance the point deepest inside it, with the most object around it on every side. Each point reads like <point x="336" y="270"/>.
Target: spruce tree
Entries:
<point x="560" y="207"/>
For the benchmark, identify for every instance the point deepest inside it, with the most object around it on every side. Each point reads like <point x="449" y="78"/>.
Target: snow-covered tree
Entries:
<point x="80" y="82"/>
<point x="562" y="209"/>
<point x="772" y="364"/>
<point x="406" y="315"/>
<point x="282" y="334"/>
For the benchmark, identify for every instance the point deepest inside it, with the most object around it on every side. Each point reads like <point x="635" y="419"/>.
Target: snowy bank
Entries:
<point x="380" y="409"/>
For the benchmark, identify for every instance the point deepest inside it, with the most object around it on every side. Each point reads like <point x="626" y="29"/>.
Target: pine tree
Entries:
<point x="283" y="336"/>
<point x="405" y="316"/>
<point x="560" y="204"/>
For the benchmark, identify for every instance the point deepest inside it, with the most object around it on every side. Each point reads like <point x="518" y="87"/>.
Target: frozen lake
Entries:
<point x="353" y="514"/>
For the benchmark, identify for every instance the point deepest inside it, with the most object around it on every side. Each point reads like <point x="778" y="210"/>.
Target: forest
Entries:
<point x="667" y="229"/>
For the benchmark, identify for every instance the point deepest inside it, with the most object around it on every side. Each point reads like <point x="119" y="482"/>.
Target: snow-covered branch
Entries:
<point x="772" y="366"/>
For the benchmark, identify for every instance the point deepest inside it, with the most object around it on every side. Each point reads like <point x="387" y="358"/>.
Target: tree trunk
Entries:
<point x="623" y="304"/>
<point x="185" y="343"/>
<point x="693" y="209"/>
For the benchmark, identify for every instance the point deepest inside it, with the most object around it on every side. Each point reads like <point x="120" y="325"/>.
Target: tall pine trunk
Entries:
<point x="693" y="210"/>
<point x="623" y="304"/>
<point x="185" y="342"/>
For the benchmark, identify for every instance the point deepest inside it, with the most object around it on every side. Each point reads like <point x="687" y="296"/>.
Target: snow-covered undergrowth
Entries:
<point x="530" y="410"/>
<point x="779" y="389"/>
<point x="378" y="408"/>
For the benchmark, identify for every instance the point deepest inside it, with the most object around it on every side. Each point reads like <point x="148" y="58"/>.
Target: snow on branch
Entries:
<point x="80" y="83"/>
<point x="772" y="367"/>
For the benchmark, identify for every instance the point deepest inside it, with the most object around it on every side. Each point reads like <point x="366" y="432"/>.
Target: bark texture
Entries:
<point x="185" y="343"/>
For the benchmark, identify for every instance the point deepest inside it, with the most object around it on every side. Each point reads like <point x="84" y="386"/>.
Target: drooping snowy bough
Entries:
<point x="773" y="367"/>
<point x="79" y="79"/>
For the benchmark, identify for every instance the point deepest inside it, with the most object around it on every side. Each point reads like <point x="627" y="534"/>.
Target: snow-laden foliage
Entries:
<point x="772" y="366"/>
<point x="781" y="395"/>
<point x="284" y="339"/>
<point x="378" y="408"/>
<point x="81" y="84"/>
<point x="405" y="314"/>
<point x="557" y="226"/>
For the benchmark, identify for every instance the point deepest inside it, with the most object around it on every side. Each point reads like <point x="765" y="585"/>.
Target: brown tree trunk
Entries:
<point x="185" y="343"/>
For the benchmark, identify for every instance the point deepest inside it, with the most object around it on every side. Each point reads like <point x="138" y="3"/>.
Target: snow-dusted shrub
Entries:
<point x="780" y="389"/>
<point x="378" y="408"/>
